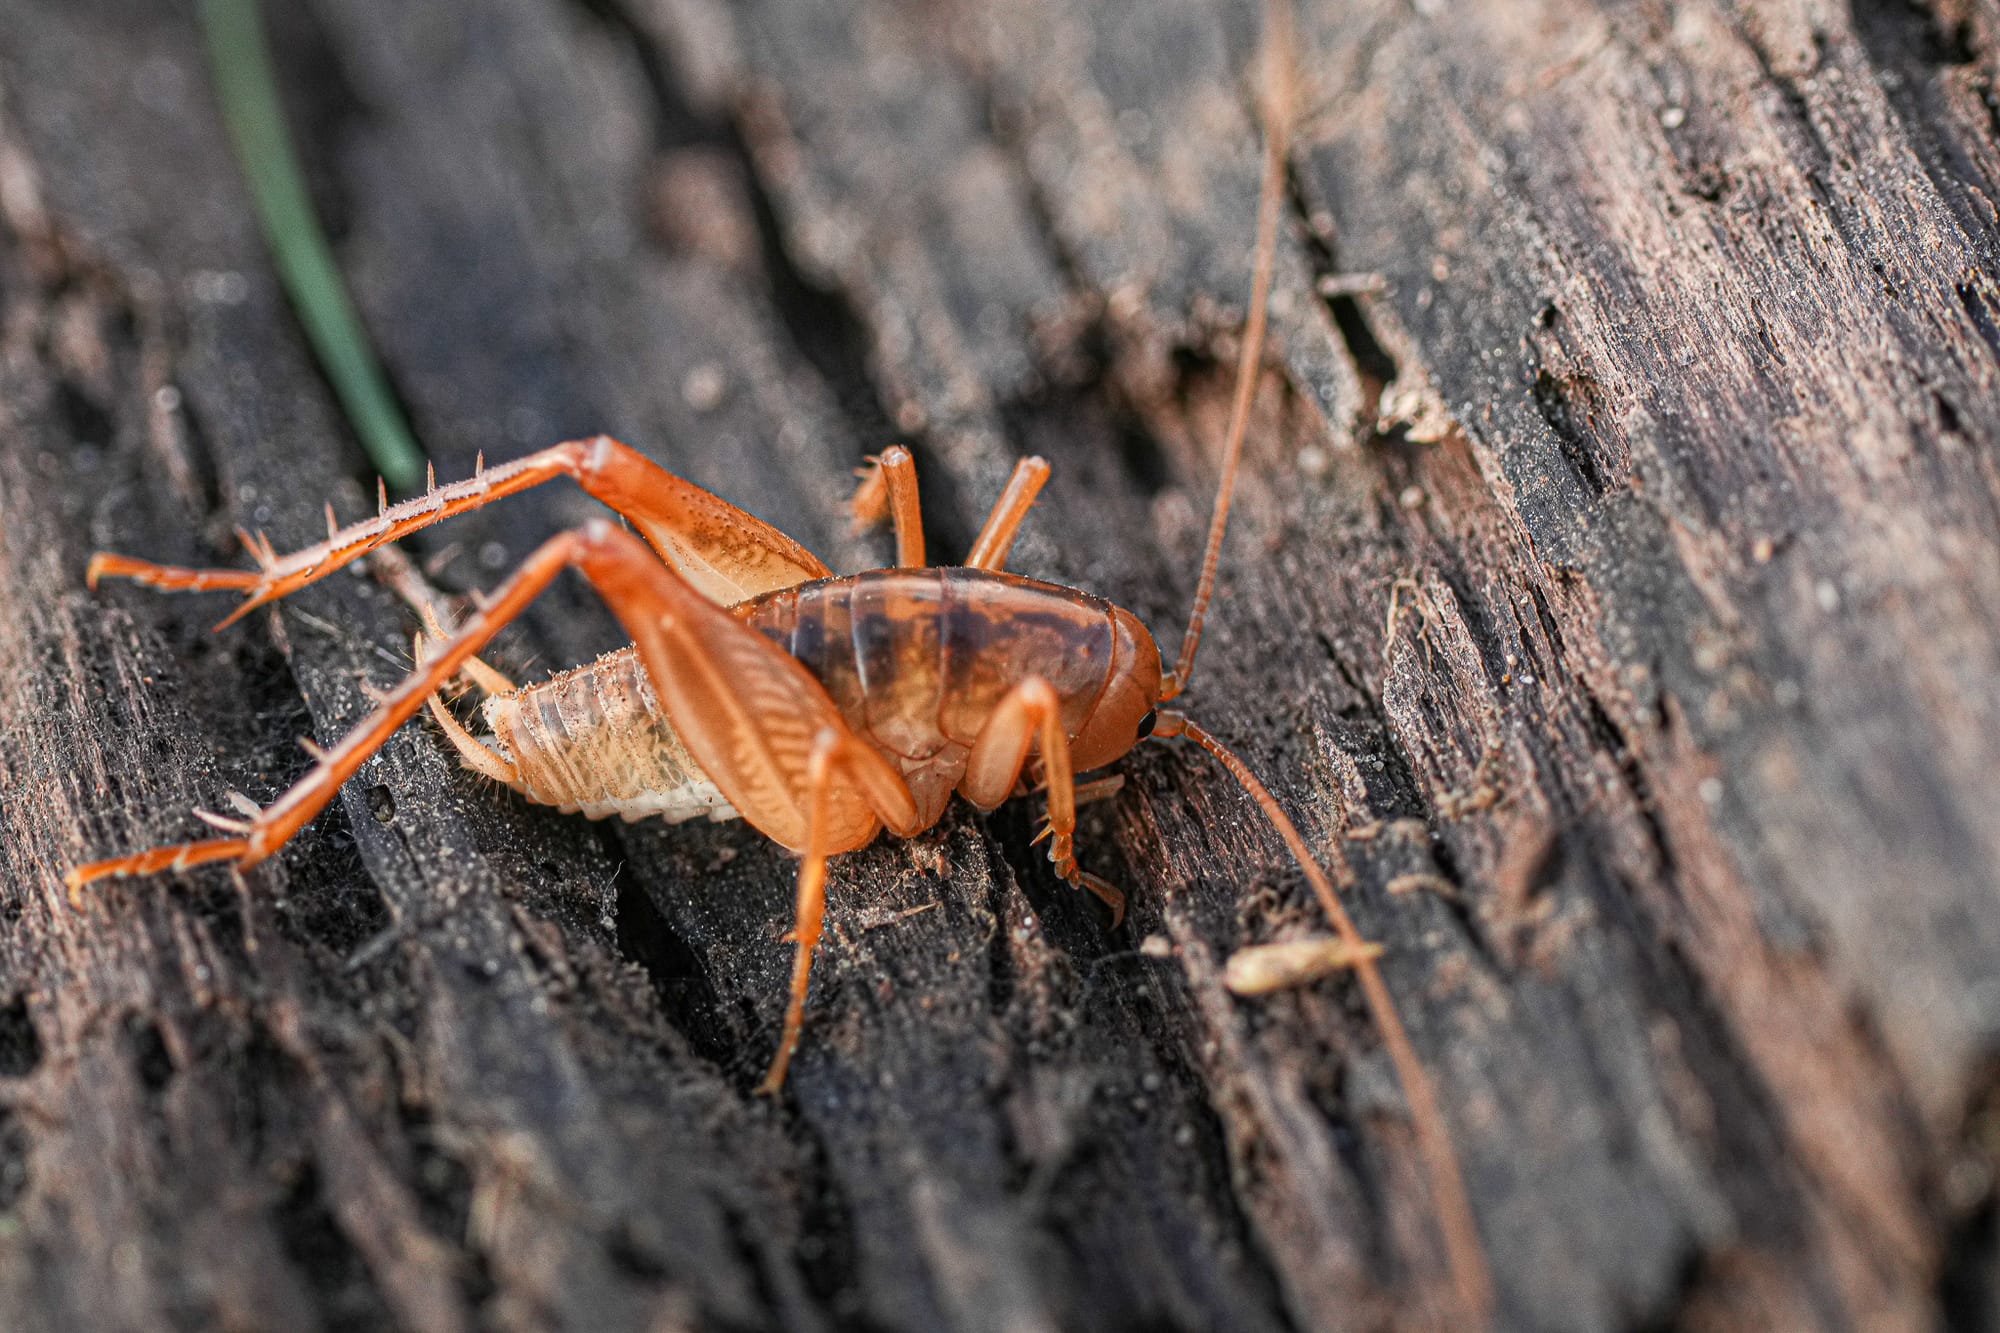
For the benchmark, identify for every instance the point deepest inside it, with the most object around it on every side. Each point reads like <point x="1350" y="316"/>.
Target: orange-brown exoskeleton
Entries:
<point x="821" y="708"/>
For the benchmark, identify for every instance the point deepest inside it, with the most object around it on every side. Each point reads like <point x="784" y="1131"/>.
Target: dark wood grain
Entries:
<point x="1616" y="580"/>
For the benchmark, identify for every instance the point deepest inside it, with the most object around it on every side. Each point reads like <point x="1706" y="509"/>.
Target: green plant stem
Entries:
<point x="241" y="62"/>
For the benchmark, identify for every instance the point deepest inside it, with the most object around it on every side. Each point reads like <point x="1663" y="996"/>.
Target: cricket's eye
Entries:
<point x="1148" y="722"/>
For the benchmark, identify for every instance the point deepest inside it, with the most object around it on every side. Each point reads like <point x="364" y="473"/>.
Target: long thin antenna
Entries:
<point x="1280" y="84"/>
<point x="1471" y="1277"/>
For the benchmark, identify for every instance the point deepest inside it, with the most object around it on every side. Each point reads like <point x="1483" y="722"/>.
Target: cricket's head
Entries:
<point x="1124" y="713"/>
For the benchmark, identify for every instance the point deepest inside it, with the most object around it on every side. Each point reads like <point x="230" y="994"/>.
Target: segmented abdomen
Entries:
<point x="595" y="740"/>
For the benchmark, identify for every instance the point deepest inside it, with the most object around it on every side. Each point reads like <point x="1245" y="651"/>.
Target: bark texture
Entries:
<point x="1617" y="582"/>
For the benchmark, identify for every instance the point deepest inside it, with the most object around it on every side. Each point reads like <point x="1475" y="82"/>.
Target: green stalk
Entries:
<point x="241" y="63"/>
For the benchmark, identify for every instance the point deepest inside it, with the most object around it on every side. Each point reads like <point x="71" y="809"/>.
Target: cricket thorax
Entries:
<point x="916" y="659"/>
<point x="595" y="740"/>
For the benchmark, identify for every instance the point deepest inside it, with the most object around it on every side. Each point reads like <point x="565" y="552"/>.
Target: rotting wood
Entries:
<point x="1689" y="696"/>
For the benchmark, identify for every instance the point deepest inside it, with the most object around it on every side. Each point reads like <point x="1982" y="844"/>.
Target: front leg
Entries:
<point x="1028" y="713"/>
<point x="889" y="486"/>
<point x="996" y="539"/>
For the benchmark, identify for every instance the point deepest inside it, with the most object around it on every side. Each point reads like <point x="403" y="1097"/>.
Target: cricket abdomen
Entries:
<point x="594" y="740"/>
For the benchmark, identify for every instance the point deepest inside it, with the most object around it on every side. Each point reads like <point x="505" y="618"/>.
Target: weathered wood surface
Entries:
<point x="1620" y="582"/>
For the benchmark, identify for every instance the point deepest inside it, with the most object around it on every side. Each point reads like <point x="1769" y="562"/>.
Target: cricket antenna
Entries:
<point x="1279" y="98"/>
<point x="1471" y="1277"/>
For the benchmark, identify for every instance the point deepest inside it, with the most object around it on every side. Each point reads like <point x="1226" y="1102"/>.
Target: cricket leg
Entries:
<point x="481" y="759"/>
<point x="1100" y="789"/>
<point x="745" y="709"/>
<point x="1029" y="715"/>
<point x="1097" y="789"/>
<point x="726" y="553"/>
<point x="275" y="824"/>
<point x="996" y="539"/>
<point x="889" y="486"/>
<point x="399" y="573"/>
<point x="833" y="754"/>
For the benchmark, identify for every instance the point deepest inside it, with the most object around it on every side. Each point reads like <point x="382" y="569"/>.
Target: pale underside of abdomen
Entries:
<point x="594" y="741"/>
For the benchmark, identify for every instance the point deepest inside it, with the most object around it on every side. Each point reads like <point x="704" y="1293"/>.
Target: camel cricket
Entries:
<point x="821" y="708"/>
